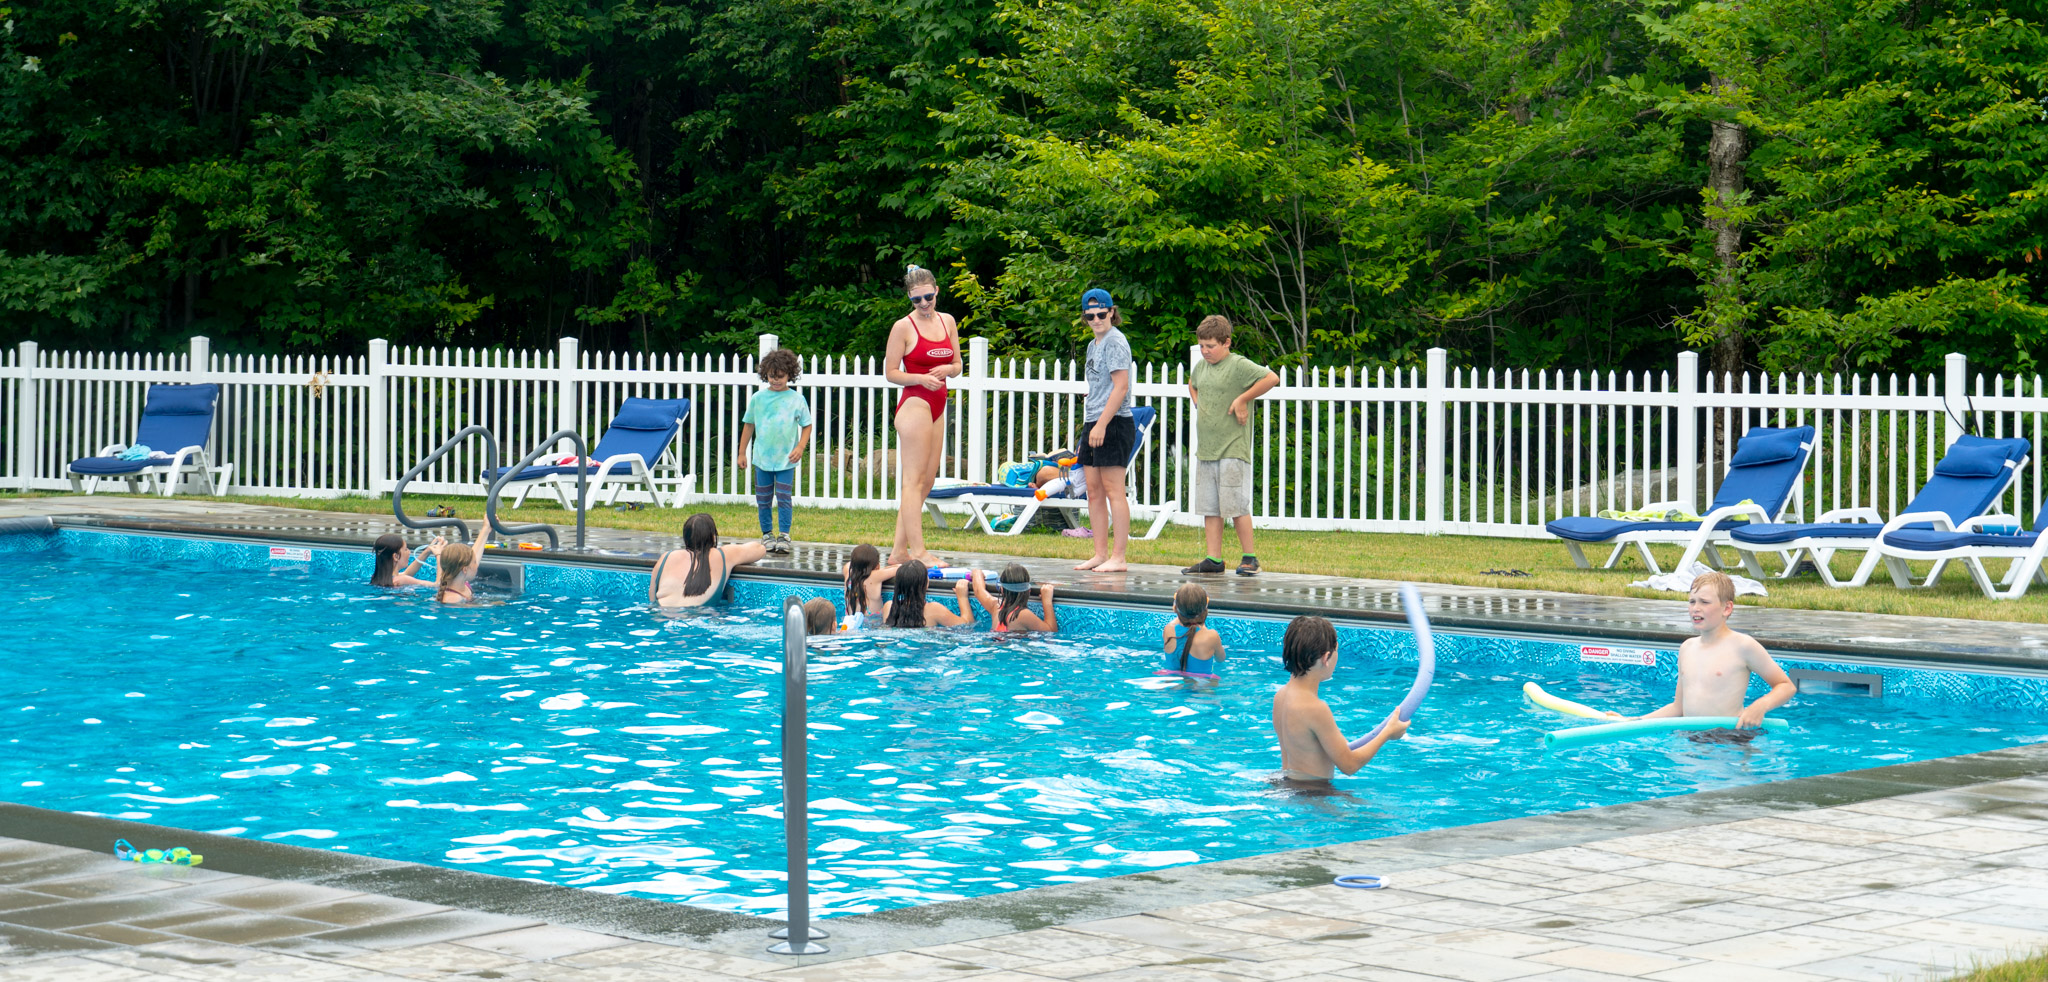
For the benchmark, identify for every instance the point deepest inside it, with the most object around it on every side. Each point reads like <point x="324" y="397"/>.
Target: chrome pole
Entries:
<point x="799" y="938"/>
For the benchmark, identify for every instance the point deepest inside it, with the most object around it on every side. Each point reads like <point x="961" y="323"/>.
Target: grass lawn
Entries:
<point x="2030" y="969"/>
<point x="1463" y="560"/>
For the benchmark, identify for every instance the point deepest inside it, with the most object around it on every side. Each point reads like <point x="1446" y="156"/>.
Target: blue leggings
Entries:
<point x="773" y="489"/>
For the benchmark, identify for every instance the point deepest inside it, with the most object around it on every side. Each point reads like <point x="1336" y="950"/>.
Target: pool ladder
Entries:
<point x="497" y="485"/>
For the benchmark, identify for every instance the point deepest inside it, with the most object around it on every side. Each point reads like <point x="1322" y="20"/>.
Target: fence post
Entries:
<point x="201" y="360"/>
<point x="769" y="342"/>
<point x="565" y="390"/>
<point x="977" y="410"/>
<point x="26" y="423"/>
<point x="1955" y="395"/>
<point x="1687" y="460"/>
<point x="1435" y="438"/>
<point x="376" y="411"/>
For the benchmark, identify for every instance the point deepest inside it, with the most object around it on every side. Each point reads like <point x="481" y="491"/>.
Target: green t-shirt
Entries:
<point x="779" y="419"/>
<point x="1218" y="434"/>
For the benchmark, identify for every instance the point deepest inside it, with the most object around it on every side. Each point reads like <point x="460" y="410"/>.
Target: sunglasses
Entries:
<point x="1101" y="315"/>
<point x="924" y="298"/>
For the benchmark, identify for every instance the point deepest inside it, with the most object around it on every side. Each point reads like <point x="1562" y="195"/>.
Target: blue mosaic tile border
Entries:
<point x="1464" y="652"/>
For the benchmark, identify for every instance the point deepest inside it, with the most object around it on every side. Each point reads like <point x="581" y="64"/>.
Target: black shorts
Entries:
<point x="1722" y="735"/>
<point x="1117" y="440"/>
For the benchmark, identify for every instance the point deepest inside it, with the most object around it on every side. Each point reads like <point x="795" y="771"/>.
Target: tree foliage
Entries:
<point x="1525" y="182"/>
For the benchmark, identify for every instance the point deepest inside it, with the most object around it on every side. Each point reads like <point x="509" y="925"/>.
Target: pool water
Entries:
<point x="586" y="741"/>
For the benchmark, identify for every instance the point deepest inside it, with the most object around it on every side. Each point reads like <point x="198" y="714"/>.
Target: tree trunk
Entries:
<point x="1727" y="153"/>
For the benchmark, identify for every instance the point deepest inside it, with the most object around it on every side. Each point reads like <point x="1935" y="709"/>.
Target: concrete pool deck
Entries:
<point x="1901" y="872"/>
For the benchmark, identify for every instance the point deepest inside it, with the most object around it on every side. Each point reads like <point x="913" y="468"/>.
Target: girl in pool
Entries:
<point x="397" y="562"/>
<point x="1192" y="649"/>
<point x="909" y="608"/>
<point x="701" y="571"/>
<point x="458" y="567"/>
<point x="1012" y="612"/>
<point x="865" y="576"/>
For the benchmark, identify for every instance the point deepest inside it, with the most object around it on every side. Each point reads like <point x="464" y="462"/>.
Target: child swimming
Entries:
<point x="820" y="617"/>
<point x="392" y="567"/>
<point x="1311" y="745"/>
<point x="701" y="570"/>
<point x="1714" y="668"/>
<point x="458" y="567"/>
<point x="1192" y="649"/>
<point x="1012" y="612"/>
<point x="865" y="576"/>
<point x="909" y="608"/>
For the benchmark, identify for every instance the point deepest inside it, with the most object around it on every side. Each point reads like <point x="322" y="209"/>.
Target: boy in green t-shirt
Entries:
<point x="1223" y="386"/>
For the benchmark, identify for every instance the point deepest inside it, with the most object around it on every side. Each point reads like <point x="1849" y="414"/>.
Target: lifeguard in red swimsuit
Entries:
<point x="924" y="351"/>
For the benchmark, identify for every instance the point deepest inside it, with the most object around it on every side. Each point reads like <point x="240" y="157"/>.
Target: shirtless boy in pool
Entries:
<point x="1714" y="668"/>
<point x="1311" y="745"/>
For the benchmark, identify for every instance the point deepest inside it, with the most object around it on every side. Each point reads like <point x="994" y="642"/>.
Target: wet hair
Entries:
<point x="819" y="616"/>
<point x="1013" y="600"/>
<point x="386" y="571"/>
<point x="781" y="361"/>
<point x="456" y="559"/>
<point x="915" y="276"/>
<point x="1307" y="640"/>
<point x="1191" y="604"/>
<point x="1718" y="583"/>
<point x="1214" y="327"/>
<point x="700" y="536"/>
<point x="861" y="565"/>
<point x="908" y="608"/>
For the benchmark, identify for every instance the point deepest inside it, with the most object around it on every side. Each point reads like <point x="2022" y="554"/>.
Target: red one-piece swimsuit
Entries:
<point x="923" y="356"/>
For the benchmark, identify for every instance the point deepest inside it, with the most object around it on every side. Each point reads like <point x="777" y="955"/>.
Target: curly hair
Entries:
<point x="781" y="361"/>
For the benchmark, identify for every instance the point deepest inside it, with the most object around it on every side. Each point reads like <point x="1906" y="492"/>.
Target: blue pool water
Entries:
<point x="573" y="736"/>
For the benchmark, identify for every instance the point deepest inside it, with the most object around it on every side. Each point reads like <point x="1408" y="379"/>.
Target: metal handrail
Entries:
<point x="398" y="490"/>
<point x="582" y="481"/>
<point x="799" y="938"/>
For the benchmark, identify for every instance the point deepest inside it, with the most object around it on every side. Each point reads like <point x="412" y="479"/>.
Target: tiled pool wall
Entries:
<point x="1467" y="652"/>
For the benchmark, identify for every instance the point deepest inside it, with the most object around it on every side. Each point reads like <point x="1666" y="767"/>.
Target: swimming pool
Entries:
<point x="571" y="736"/>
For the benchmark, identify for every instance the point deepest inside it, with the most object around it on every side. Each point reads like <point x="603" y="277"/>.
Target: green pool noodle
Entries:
<point x="1580" y="736"/>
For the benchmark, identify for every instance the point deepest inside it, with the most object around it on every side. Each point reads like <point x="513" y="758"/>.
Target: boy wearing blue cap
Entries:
<point x="1108" y="432"/>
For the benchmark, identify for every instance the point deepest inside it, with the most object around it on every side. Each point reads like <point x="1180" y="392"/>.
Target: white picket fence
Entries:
<point x="1429" y="449"/>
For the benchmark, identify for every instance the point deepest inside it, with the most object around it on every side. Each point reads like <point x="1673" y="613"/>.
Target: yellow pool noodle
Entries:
<point x="1545" y="700"/>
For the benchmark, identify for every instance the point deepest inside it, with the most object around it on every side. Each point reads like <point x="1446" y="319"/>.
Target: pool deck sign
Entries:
<point x="1646" y="657"/>
<point x="290" y="554"/>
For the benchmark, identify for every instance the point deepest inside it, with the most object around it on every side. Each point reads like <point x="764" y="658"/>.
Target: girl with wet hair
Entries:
<point x="909" y="608"/>
<point x="397" y="562"/>
<point x="457" y="569"/>
<point x="1012" y="611"/>
<point x="1193" y="649"/>
<point x="865" y="577"/>
<point x="701" y="571"/>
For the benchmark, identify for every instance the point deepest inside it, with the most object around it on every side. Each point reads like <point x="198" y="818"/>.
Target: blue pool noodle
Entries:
<point x="1580" y="736"/>
<point x="1425" y="669"/>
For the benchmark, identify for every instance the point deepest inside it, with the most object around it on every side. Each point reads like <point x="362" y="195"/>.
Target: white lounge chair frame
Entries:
<point x="161" y="478"/>
<point x="2024" y="570"/>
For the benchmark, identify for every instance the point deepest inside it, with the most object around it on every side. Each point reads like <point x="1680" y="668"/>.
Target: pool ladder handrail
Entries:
<point x="582" y="491"/>
<point x="398" y="490"/>
<point x="799" y="938"/>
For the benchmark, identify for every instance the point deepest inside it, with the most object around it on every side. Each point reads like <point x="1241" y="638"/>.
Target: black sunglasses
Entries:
<point x="1099" y="315"/>
<point x="924" y="298"/>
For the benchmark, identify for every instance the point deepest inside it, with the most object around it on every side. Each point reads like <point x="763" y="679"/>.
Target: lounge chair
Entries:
<point x="1969" y="479"/>
<point x="1971" y="541"/>
<point x="980" y="499"/>
<point x="638" y="440"/>
<point x="176" y="420"/>
<point x="1766" y="465"/>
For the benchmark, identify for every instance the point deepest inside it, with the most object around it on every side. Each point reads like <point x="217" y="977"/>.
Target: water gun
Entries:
<point x="954" y="574"/>
<point x="1062" y="486"/>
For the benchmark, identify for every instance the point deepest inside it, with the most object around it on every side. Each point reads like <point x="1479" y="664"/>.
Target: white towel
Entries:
<point x="1680" y="581"/>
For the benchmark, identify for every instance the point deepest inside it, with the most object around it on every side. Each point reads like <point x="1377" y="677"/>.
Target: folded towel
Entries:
<point x="1680" y="581"/>
<point x="1664" y="514"/>
<point x="136" y="452"/>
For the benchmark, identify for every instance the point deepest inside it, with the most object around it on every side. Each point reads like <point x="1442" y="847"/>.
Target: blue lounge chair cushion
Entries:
<point x="1763" y="445"/>
<point x="1973" y="461"/>
<point x="649" y="414"/>
<point x="1585" y="528"/>
<point x="982" y="490"/>
<point x="1773" y="533"/>
<point x="113" y="465"/>
<point x="641" y="426"/>
<point x="1928" y="540"/>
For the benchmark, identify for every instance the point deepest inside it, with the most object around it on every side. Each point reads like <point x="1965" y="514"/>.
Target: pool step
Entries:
<point x="1815" y="682"/>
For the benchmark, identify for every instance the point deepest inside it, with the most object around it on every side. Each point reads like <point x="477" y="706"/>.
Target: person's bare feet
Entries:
<point x="931" y="560"/>
<point x="1113" y="566"/>
<point x="1093" y="562"/>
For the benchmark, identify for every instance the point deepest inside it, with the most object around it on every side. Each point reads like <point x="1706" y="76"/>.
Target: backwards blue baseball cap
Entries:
<point x="1096" y="299"/>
